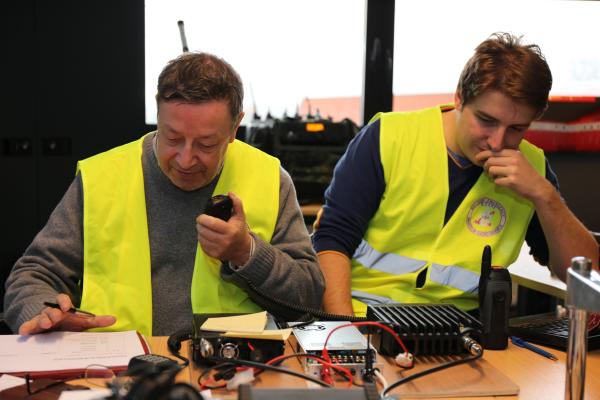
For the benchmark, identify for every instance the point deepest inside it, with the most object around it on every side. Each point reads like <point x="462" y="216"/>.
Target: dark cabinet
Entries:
<point x="18" y="160"/>
<point x="73" y="86"/>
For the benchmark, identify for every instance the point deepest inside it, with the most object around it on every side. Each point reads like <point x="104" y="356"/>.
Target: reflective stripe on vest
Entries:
<point x="448" y="275"/>
<point x="407" y="234"/>
<point x="371" y="299"/>
<point x="454" y="276"/>
<point x="386" y="262"/>
<point x="117" y="271"/>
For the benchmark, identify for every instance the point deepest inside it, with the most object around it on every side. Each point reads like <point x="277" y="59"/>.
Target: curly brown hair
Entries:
<point x="516" y="70"/>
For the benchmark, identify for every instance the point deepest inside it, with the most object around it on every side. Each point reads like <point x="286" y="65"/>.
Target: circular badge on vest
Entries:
<point x="486" y="217"/>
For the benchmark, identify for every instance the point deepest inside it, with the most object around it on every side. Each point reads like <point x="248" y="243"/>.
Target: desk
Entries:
<point x="526" y="272"/>
<point x="536" y="376"/>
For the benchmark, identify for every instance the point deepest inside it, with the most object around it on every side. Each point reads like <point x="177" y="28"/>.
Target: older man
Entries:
<point x="130" y="241"/>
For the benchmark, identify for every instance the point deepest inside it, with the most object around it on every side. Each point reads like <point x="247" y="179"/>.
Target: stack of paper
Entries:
<point x="68" y="354"/>
<point x="250" y="326"/>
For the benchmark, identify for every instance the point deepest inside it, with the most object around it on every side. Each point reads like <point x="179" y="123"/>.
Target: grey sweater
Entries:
<point x="286" y="267"/>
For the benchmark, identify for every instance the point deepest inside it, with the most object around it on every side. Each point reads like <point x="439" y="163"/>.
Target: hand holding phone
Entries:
<point x="219" y="206"/>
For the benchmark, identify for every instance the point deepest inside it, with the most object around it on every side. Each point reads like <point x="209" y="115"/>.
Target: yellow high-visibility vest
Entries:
<point x="407" y="233"/>
<point x="117" y="272"/>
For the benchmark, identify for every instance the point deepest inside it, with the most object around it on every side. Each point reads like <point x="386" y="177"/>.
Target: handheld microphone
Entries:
<point x="219" y="206"/>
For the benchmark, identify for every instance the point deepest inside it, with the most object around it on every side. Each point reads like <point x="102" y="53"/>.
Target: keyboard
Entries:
<point x="548" y="330"/>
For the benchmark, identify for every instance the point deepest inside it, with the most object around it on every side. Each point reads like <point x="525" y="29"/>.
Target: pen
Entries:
<point x="521" y="343"/>
<point x="72" y="310"/>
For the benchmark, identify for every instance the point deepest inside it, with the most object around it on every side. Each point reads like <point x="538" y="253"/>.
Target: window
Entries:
<point x="293" y="56"/>
<point x="434" y="39"/>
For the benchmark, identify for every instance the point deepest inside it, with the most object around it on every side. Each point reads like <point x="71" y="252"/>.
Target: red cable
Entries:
<point x="325" y="353"/>
<point x="367" y="323"/>
<point x="324" y="363"/>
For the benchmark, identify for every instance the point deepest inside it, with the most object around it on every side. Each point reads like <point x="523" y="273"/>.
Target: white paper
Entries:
<point x="85" y="394"/>
<point x="67" y="350"/>
<point x="8" y="381"/>
<point x="254" y="323"/>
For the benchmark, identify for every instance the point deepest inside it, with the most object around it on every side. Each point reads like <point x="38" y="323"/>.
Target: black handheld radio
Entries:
<point x="495" y="294"/>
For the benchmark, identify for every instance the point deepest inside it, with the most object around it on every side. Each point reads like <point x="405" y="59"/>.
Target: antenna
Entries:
<point x="309" y="114"/>
<point x="318" y="114"/>
<point x="255" y="116"/>
<point x="486" y="267"/>
<point x="182" y="35"/>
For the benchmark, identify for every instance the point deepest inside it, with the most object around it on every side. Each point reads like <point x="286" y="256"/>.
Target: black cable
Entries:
<point x="235" y="362"/>
<point x="300" y="355"/>
<point x="150" y="381"/>
<point x="369" y="372"/>
<point x="427" y="372"/>
<point x="174" y="344"/>
<point x="302" y="310"/>
<point x="277" y="369"/>
<point x="212" y="368"/>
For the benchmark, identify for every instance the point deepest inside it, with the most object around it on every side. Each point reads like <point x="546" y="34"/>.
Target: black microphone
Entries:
<point x="219" y="206"/>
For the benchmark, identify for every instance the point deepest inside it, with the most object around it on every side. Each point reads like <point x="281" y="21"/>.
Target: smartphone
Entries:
<point x="219" y="206"/>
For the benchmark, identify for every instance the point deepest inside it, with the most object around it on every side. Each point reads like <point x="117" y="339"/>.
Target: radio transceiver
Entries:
<point x="347" y="347"/>
<point x="213" y="347"/>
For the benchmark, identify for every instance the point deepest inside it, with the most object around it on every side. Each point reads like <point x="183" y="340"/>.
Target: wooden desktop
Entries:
<point x="537" y="377"/>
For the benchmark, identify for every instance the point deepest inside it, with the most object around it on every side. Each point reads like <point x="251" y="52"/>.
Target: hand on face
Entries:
<point x="53" y="319"/>
<point x="509" y="168"/>
<point x="491" y="121"/>
<point x="227" y="241"/>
